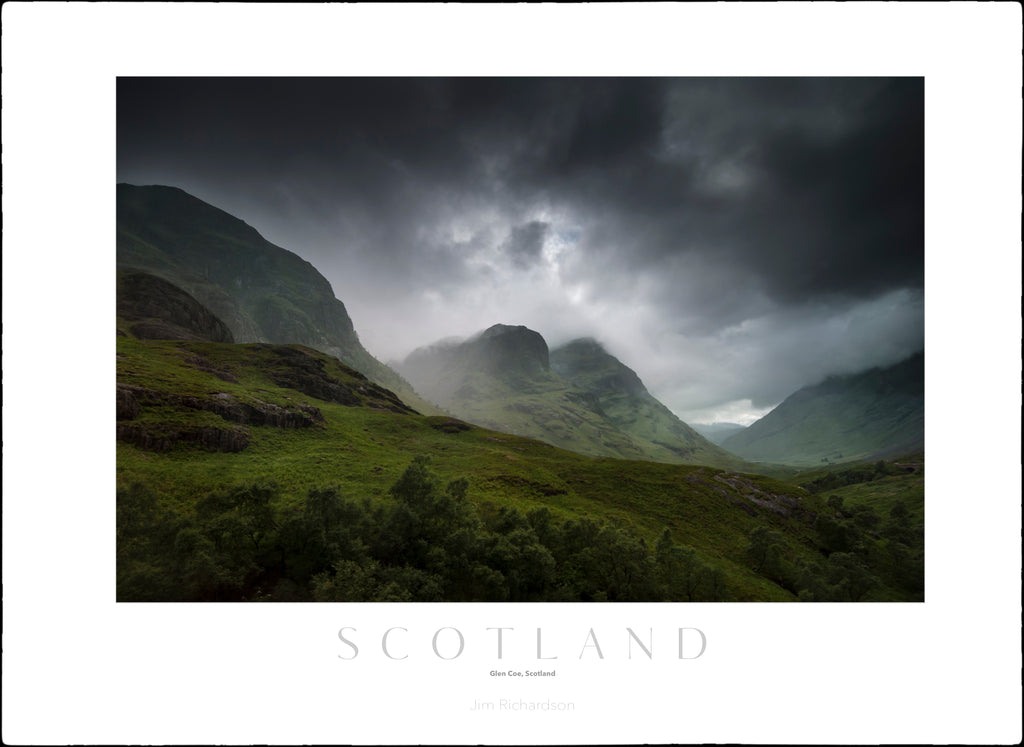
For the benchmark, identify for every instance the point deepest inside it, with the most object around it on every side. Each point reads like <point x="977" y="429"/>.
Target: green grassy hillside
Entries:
<point x="878" y="413"/>
<point x="880" y="484"/>
<point x="267" y="472"/>
<point x="875" y="512"/>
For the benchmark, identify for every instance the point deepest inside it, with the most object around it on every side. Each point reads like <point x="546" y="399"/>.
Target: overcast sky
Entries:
<point x="731" y="240"/>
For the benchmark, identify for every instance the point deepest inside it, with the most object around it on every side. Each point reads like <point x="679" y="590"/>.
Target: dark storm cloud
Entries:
<point x="826" y="176"/>
<point x="608" y="123"/>
<point x="846" y="214"/>
<point x="814" y="187"/>
<point x="690" y="207"/>
<point x="525" y="243"/>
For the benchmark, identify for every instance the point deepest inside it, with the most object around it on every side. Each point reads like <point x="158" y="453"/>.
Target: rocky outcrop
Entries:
<point x="201" y="364"/>
<point x="504" y="349"/>
<point x="153" y="418"/>
<point x="449" y="425"/>
<point x="127" y="404"/>
<point x="161" y="310"/>
<point x="248" y="412"/>
<point x="306" y="373"/>
<point x="164" y="436"/>
<point x="746" y="494"/>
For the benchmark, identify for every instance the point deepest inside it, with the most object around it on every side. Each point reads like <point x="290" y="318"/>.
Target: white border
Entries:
<point x="78" y="668"/>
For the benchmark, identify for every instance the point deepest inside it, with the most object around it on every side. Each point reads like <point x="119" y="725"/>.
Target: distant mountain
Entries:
<point x="500" y="357"/>
<point x="716" y="433"/>
<point x="261" y="292"/>
<point x="501" y="379"/>
<point x="876" y="413"/>
<point x="505" y="378"/>
<point x="625" y="401"/>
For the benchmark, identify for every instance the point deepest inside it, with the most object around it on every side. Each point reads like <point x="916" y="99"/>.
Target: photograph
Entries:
<point x="520" y="339"/>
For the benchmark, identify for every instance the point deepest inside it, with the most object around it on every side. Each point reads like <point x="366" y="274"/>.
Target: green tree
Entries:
<point x="212" y="561"/>
<point x="249" y="505"/>
<point x="843" y="578"/>
<point x="848" y="577"/>
<point x="145" y="533"/>
<point x="515" y="550"/>
<point x="835" y="502"/>
<point x="765" y="550"/>
<point x="682" y="575"/>
<point x="324" y="529"/>
<point x="900" y="527"/>
<point x="836" y="535"/>
<point x="864" y="517"/>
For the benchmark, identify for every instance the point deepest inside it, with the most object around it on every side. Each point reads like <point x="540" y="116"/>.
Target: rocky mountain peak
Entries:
<point x="507" y="349"/>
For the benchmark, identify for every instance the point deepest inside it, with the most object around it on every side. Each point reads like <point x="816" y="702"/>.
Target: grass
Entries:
<point x="882" y="493"/>
<point x="363" y="449"/>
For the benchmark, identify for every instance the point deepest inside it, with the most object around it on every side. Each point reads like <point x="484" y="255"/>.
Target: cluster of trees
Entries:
<point x="860" y="554"/>
<point x="851" y="476"/>
<point x="427" y="543"/>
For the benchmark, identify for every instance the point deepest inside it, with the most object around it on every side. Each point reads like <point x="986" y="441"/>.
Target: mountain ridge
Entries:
<point x="262" y="292"/>
<point x="628" y="404"/>
<point x="877" y="412"/>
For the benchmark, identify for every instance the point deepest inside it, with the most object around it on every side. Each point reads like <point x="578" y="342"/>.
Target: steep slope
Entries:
<point x="263" y="293"/>
<point x="160" y="310"/>
<point x="875" y="413"/>
<point x="628" y="405"/>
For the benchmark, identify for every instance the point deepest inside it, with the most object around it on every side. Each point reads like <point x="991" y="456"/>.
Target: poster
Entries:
<point x="81" y="668"/>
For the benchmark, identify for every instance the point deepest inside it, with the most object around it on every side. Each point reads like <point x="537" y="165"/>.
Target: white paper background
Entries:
<point x="79" y="668"/>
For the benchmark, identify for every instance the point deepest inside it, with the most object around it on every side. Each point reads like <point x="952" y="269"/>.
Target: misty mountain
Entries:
<point x="261" y="292"/>
<point x="501" y="379"/>
<point x="716" y="433"/>
<point x="628" y="405"/>
<point x="876" y="413"/>
<point x="577" y="397"/>
<point x="516" y="357"/>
